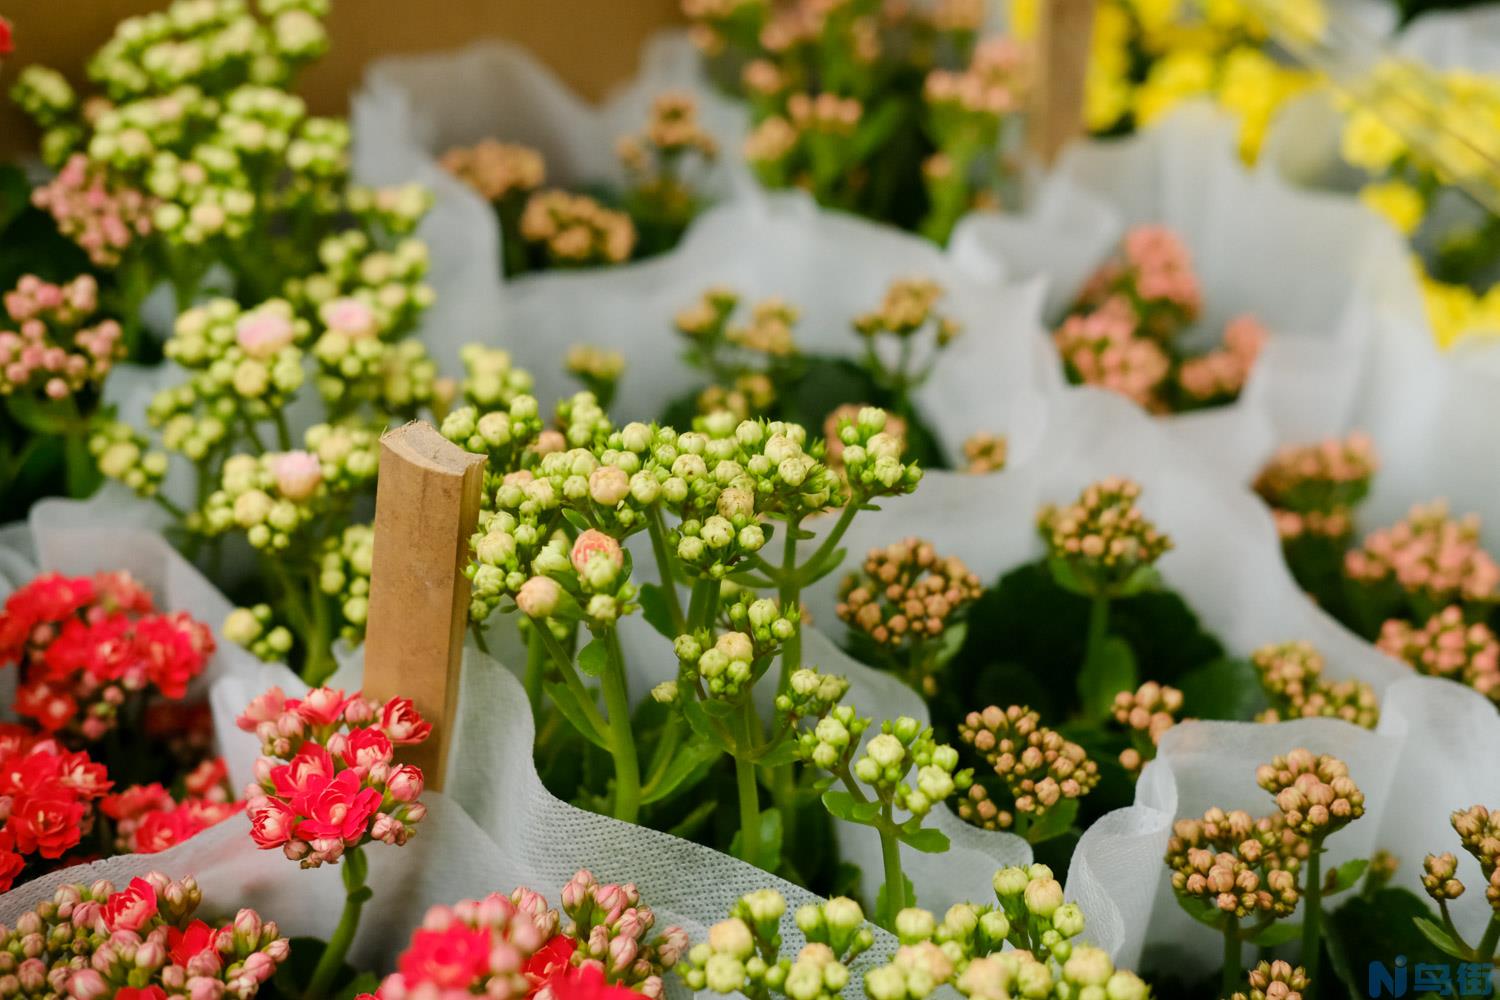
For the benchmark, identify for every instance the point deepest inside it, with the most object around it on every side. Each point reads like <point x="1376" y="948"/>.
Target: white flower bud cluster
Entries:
<point x="722" y="668"/>
<point x="503" y="433"/>
<point x="811" y="695"/>
<point x="123" y="454"/>
<point x="389" y="284"/>
<point x="831" y="743"/>
<point x="872" y="458"/>
<point x="257" y="630"/>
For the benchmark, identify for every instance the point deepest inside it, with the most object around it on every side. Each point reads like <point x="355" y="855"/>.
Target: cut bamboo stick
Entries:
<point x="1064" y="30"/>
<point x="426" y="506"/>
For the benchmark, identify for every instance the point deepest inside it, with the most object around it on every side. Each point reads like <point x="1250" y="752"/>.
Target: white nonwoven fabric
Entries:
<point x="1313" y="269"/>
<point x="414" y="108"/>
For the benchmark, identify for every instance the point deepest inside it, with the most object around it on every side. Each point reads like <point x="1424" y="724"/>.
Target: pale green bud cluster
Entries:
<point x="257" y="630"/>
<point x="831" y="743"/>
<point x="811" y="695"/>
<point x="490" y="380"/>
<point x="344" y="575"/>
<point x="872" y="457"/>
<point x="721" y="668"/>
<point x="902" y="747"/>
<point x="125" y="455"/>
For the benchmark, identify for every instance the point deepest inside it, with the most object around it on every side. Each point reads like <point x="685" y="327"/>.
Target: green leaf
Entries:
<point x="814" y="572"/>
<point x="1439" y="936"/>
<point x="1279" y="932"/>
<point x="842" y="805"/>
<point x="1346" y="875"/>
<point x="593" y="659"/>
<point x="699" y="721"/>
<point x="770" y="841"/>
<point x="883" y="909"/>
<point x="779" y="754"/>
<point x="1054" y="822"/>
<point x="1223" y="689"/>
<point x="1376" y="929"/>
<point x="876" y="130"/>
<point x="689" y="762"/>
<point x="1202" y="911"/>
<point x="1067" y="578"/>
<point x="656" y="612"/>
<point x="1110" y="671"/>
<point x="928" y="841"/>
<point x="951" y="641"/>
<point x="562" y="697"/>
<point x="576" y="519"/>
<point x="1144" y="578"/>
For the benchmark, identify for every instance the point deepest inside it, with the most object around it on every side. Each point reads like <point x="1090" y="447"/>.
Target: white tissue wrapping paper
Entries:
<point x="1227" y="564"/>
<point x="407" y="115"/>
<point x="1315" y="270"/>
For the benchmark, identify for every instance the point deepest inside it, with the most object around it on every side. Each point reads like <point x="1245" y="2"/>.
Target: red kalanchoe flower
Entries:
<point x="326" y="782"/>
<point x="449" y="959"/>
<point x="587" y="982"/>
<point x="549" y="960"/>
<point x="131" y="908"/>
<point x="7" y="40"/>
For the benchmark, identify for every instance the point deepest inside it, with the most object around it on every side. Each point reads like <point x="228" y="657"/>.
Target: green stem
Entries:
<point x="703" y="604"/>
<point x="1231" y="978"/>
<point x="749" y="795"/>
<point x="846" y="518"/>
<point x="331" y="962"/>
<point x="536" y="657"/>
<point x="564" y="663"/>
<point x="621" y="738"/>
<point x="82" y="474"/>
<point x="1490" y="941"/>
<point x="283" y="432"/>
<point x="171" y="508"/>
<point x="1098" y="629"/>
<point x="320" y="663"/>
<point x="895" y="880"/>
<point x="1312" y="906"/>
<point x="658" y="532"/>
<point x="477" y="631"/>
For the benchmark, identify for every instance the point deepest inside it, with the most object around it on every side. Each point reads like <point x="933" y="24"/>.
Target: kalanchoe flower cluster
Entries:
<point x="660" y="197"/>
<point x="1424" y="563"/>
<point x="1103" y="542"/>
<point x="985" y="453"/>
<point x="1291" y="674"/>
<point x="90" y="208"/>
<point x="574" y="230"/>
<point x="142" y="941"/>
<point x="893" y="334"/>
<point x="48" y="798"/>
<point x="1314" y="792"/>
<point x="822" y="80"/>
<point x="1479" y="830"/>
<point x="1124" y="330"/>
<point x="1146" y="713"/>
<point x="497" y="171"/>
<point x="1447" y="646"/>
<point x="86" y="646"/>
<point x="744" y="361"/>
<point x="148" y="819"/>
<point x="1235" y="865"/>
<point x="965" y="948"/>
<point x="327" y="782"/>
<point x="48" y="347"/>
<point x="1313" y="488"/>
<point x="904" y="600"/>
<point x="1276" y="980"/>
<point x="597" y="368"/>
<point x="612" y="931"/>
<point x="1040" y="769"/>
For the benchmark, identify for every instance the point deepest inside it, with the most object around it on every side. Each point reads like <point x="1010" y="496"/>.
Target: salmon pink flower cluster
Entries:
<point x="88" y="646"/>
<point x="1422" y="564"/>
<point x="142" y="942"/>
<point x="49" y="345"/>
<point x="148" y="819"/>
<point x="1124" y="332"/>
<point x="506" y="948"/>
<point x="328" y="781"/>
<point x="1313" y="488"/>
<point x="103" y="217"/>
<point x="47" y="800"/>
<point x="1447" y="646"/>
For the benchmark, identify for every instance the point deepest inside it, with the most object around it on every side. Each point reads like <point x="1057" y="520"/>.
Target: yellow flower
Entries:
<point x="1023" y="18"/>
<point x="1173" y="79"/>
<point x="1155" y="15"/>
<point x="1106" y="99"/>
<point x="1451" y="309"/>
<point x="1370" y="143"/>
<point x="1400" y="204"/>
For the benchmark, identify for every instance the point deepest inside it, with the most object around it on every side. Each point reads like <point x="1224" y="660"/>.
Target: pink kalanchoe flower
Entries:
<point x="48" y="346"/>
<point x="1434" y="559"/>
<point x="263" y="332"/>
<point x="350" y="317"/>
<point x="298" y="474"/>
<point x="327" y="783"/>
<point x="1101" y="348"/>
<point x="593" y="544"/>
<point x="1447" y="646"/>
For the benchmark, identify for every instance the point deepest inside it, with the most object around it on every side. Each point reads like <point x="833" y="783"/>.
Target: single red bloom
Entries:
<point x="132" y="908"/>
<point x="7" y="42"/>
<point x="586" y="982"/>
<point x="547" y="961"/>
<point x="450" y="959"/>
<point x="340" y="809"/>
<point x="184" y="944"/>
<point x="148" y="993"/>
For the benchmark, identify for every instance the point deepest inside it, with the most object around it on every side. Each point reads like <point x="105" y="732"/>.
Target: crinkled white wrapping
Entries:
<point x="413" y="108"/>
<point x="1227" y="564"/>
<point x="1314" y="269"/>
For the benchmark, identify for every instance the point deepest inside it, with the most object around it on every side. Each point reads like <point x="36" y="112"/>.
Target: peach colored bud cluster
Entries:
<point x="906" y="593"/>
<point x="1103" y="535"/>
<point x="909" y="305"/>
<point x="674" y="126"/>
<point x="1222" y="373"/>
<point x="1232" y="862"/>
<point x="771" y="141"/>
<point x="1158" y="271"/>
<point x="576" y="229"/>
<point x="1150" y="711"/>
<point x="496" y="169"/>
<point x="103" y="219"/>
<point x="1314" y="792"/>
<point x="1430" y="556"/>
<point x="1101" y="348"/>
<point x="992" y="85"/>
<point x="1276" y="980"/>
<point x="1328" y="476"/>
<point x="769" y="331"/>
<point x="1478" y="830"/>
<point x="825" y="113"/>
<point x="587" y="361"/>
<point x="49" y="348"/>
<point x="1447" y="646"/>
<point x="1039" y="767"/>
<point x="985" y="453"/>
<point x="1291" y="673"/>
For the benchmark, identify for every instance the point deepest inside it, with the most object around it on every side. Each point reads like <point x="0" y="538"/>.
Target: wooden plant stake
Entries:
<point x="1064" y="30"/>
<point x="426" y="506"/>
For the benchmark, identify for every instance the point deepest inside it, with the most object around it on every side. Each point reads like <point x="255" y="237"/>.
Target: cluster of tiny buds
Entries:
<point x="811" y="694"/>
<point x="1231" y="861"/>
<point x="496" y="169"/>
<point x="673" y="129"/>
<point x="1221" y="374"/>
<point x="1150" y="711"/>
<point x="1039" y="767"/>
<point x="985" y="453"/>
<point x="49" y="347"/>
<point x="992" y="85"/>
<point x="594" y="364"/>
<point x="1291" y="674"/>
<point x="1277" y="980"/>
<point x="1323" y="477"/>
<point x="576" y="230"/>
<point x="1429" y="555"/>
<point x="1103" y="536"/>
<point x="769" y="331"/>
<point x="1447" y="645"/>
<point x="1101" y="348"/>
<point x="909" y="305"/>
<point x="1314" y="792"/>
<point x="1156" y="271"/>
<point x="1478" y="830"/>
<point x="906" y="593"/>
